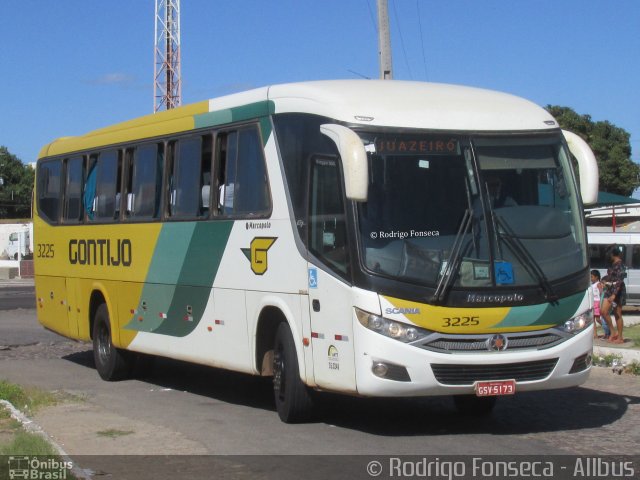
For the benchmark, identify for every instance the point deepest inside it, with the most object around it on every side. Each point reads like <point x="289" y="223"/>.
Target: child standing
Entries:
<point x="596" y="288"/>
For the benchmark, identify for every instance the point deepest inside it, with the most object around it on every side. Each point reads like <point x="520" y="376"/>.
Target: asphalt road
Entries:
<point x="13" y="297"/>
<point x="188" y="409"/>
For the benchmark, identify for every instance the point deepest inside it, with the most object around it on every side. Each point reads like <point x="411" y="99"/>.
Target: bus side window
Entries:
<point x="243" y="185"/>
<point x="597" y="256"/>
<point x="49" y="191"/>
<point x="102" y="188"/>
<point x="190" y="178"/>
<point x="144" y="181"/>
<point x="72" y="212"/>
<point x="635" y="257"/>
<point x="327" y="227"/>
<point x="226" y="171"/>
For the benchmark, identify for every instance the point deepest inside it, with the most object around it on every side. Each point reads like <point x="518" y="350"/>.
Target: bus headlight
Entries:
<point x="390" y="328"/>
<point x="578" y="323"/>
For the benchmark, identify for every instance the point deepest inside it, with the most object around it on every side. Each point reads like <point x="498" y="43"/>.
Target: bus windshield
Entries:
<point x="471" y="211"/>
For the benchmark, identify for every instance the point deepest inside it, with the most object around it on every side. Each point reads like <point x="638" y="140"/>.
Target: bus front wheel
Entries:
<point x="293" y="398"/>
<point x="112" y="363"/>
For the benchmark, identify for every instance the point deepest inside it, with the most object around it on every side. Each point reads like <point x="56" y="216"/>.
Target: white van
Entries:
<point x="629" y="244"/>
<point x="18" y="242"/>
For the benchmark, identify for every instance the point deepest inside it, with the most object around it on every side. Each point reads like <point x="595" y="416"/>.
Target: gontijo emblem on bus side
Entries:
<point x="257" y="253"/>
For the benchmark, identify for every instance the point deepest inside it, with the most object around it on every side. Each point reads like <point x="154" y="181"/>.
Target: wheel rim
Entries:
<point x="104" y="344"/>
<point x="279" y="376"/>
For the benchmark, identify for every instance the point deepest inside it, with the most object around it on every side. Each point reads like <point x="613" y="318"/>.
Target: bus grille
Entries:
<point x="448" y="374"/>
<point x="479" y="343"/>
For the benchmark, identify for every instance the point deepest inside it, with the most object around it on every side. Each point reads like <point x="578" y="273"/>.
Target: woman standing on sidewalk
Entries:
<point x="614" y="293"/>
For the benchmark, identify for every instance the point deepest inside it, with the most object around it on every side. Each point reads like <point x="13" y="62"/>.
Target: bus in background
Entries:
<point x="628" y="245"/>
<point x="374" y="238"/>
<point x="18" y="244"/>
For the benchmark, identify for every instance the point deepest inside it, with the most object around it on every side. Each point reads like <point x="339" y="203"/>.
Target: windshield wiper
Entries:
<point x="453" y="262"/>
<point x="525" y="257"/>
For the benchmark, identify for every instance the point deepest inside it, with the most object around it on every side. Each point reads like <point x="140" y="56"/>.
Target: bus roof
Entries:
<point x="412" y="105"/>
<point x="368" y="102"/>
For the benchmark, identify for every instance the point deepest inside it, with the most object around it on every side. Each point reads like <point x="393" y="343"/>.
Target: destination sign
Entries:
<point x="407" y="145"/>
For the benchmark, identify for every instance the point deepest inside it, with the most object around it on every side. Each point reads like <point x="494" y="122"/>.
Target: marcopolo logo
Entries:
<point x="495" y="298"/>
<point x="257" y="253"/>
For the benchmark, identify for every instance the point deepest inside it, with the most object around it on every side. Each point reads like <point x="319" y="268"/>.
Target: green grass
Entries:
<point x="30" y="399"/>
<point x="114" y="433"/>
<point x="633" y="368"/>
<point x="606" y="360"/>
<point x="27" y="399"/>
<point x="632" y="333"/>
<point x="25" y="443"/>
<point x="14" y="440"/>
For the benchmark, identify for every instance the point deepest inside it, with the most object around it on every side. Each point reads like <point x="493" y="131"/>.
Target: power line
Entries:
<point x="424" y="57"/>
<point x="404" y="50"/>
<point x="372" y="16"/>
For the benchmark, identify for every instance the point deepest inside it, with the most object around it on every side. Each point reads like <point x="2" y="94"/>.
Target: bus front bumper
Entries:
<point x="389" y="368"/>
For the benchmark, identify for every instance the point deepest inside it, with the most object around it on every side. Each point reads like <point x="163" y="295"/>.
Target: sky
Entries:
<point x="70" y="66"/>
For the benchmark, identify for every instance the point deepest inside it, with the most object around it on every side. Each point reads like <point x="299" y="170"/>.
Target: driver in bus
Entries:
<point x="497" y="195"/>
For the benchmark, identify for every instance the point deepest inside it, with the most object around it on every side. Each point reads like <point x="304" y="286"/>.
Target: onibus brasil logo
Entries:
<point x="39" y="468"/>
<point x="257" y="253"/>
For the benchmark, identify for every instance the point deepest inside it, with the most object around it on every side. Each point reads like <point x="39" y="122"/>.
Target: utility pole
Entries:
<point x="166" y="72"/>
<point x="384" y="41"/>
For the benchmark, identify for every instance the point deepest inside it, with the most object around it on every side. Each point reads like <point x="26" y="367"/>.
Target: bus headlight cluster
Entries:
<point x="390" y="328"/>
<point x="578" y="323"/>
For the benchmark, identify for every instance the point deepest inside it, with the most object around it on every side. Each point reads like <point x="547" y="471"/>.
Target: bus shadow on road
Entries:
<point x="214" y="383"/>
<point x="568" y="409"/>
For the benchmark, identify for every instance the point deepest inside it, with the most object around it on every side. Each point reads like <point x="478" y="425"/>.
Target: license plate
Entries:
<point x="495" y="388"/>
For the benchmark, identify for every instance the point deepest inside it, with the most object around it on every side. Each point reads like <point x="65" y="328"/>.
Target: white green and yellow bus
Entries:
<point x="373" y="238"/>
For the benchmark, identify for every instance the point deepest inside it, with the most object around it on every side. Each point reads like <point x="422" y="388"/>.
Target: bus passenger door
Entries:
<point x="329" y="293"/>
<point x="331" y="331"/>
<point x="73" y="305"/>
<point x="52" y="301"/>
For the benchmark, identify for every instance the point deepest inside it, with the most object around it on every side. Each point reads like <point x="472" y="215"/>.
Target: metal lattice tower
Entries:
<point x="166" y="74"/>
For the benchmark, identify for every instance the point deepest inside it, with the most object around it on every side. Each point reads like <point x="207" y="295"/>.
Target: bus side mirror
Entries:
<point x="588" y="167"/>
<point x="354" y="160"/>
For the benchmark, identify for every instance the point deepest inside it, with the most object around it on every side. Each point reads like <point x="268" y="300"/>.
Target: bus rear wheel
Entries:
<point x="293" y="398"/>
<point x="111" y="363"/>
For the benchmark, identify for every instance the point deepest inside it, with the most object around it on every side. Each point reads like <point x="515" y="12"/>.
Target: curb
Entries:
<point x="32" y="427"/>
<point x="628" y="355"/>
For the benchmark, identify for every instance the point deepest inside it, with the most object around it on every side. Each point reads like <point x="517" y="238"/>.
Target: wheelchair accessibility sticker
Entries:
<point x="313" y="278"/>
<point x="504" y="273"/>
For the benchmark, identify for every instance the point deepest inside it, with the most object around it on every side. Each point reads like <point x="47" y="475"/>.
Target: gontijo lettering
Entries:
<point x="101" y="251"/>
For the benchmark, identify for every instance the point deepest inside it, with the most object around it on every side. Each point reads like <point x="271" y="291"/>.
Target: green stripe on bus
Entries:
<point x="237" y="114"/>
<point x="544" y="314"/>
<point x="184" y="266"/>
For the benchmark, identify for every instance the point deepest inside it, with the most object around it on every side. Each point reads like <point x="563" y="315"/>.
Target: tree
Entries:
<point x="16" y="185"/>
<point x="611" y="146"/>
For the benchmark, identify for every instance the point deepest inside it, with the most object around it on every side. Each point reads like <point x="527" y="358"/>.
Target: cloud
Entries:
<point x="115" y="78"/>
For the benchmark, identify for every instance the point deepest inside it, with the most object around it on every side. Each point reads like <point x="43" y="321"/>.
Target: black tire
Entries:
<point x="112" y="363"/>
<point x="293" y="398"/>
<point x="474" y="406"/>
